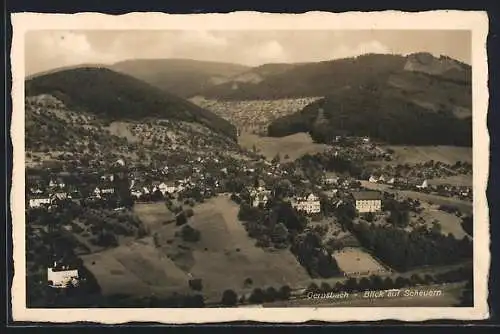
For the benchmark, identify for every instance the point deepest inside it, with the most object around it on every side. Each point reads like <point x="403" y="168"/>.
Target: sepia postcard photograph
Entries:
<point x="279" y="168"/>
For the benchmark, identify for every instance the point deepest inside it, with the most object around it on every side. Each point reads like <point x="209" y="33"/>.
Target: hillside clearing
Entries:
<point x="122" y="129"/>
<point x="450" y="224"/>
<point x="419" y="154"/>
<point x="225" y="256"/>
<point x="456" y="180"/>
<point x="136" y="268"/>
<point x="294" y="146"/>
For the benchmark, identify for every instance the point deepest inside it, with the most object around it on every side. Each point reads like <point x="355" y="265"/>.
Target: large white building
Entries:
<point x="367" y="201"/>
<point x="38" y="201"/>
<point x="62" y="277"/>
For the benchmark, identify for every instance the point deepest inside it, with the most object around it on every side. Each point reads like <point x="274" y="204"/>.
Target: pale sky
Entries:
<point x="46" y="50"/>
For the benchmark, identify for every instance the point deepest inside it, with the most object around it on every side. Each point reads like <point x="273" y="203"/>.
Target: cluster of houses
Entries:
<point x="417" y="183"/>
<point x="253" y="114"/>
<point x="461" y="192"/>
<point x="309" y="203"/>
<point x="139" y="189"/>
<point x="358" y="148"/>
<point x="56" y="190"/>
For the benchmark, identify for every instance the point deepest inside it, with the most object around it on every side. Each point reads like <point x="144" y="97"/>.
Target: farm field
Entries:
<point x="416" y="154"/>
<point x="356" y="262"/>
<point x="456" y="180"/>
<point x="223" y="258"/>
<point x="294" y="146"/>
<point x="136" y="268"/>
<point x="153" y="215"/>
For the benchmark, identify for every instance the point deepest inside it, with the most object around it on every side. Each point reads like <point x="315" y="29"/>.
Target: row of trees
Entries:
<point x="273" y="226"/>
<point x="258" y="296"/>
<point x="375" y="282"/>
<point x="404" y="250"/>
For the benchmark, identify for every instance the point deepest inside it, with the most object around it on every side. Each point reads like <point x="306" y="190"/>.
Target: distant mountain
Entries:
<point x="116" y="96"/>
<point x="322" y="78"/>
<point x="418" y="99"/>
<point x="64" y="68"/>
<point x="183" y="77"/>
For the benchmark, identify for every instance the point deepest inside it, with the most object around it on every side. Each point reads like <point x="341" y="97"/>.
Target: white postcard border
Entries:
<point x="477" y="22"/>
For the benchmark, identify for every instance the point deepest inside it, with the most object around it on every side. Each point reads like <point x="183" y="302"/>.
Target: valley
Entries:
<point x="246" y="186"/>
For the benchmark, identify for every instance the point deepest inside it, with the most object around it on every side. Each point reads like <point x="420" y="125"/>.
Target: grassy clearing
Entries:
<point x="136" y="268"/>
<point x="446" y="154"/>
<point x="153" y="215"/>
<point x="450" y="224"/>
<point x="121" y="129"/>
<point x="294" y="146"/>
<point x="456" y="180"/>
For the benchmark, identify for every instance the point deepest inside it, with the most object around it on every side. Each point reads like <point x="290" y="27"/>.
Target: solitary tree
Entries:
<point x="229" y="298"/>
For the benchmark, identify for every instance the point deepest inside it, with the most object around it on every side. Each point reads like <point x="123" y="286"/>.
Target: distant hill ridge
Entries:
<point x="183" y="77"/>
<point x="273" y="81"/>
<point x="116" y="96"/>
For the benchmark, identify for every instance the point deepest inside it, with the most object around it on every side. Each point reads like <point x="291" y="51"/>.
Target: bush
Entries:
<point x="325" y="287"/>
<point x="229" y="298"/>
<point x="369" y="217"/>
<point x="196" y="284"/>
<point x="313" y="287"/>
<point x="257" y="296"/>
<point x="248" y="282"/>
<point x="284" y="292"/>
<point x="271" y="294"/>
<point x="181" y="219"/>
<point x="107" y="239"/>
<point x="190" y="234"/>
<point x="189" y="212"/>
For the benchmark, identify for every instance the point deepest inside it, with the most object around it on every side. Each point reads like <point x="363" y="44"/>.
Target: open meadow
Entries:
<point x="420" y="154"/>
<point x="153" y="215"/>
<point x="136" y="268"/>
<point x="223" y="258"/>
<point x="455" y="180"/>
<point x="356" y="262"/>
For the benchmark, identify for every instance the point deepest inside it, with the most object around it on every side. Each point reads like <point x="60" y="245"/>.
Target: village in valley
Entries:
<point x="234" y="182"/>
